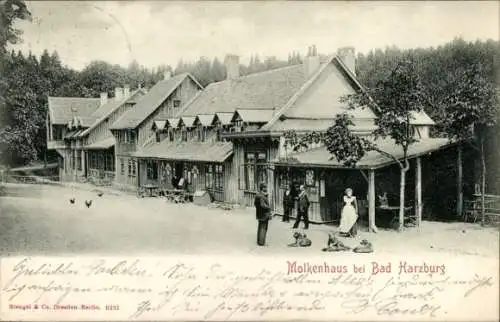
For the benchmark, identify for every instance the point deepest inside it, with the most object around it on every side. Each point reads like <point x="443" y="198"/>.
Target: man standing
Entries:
<point x="263" y="214"/>
<point x="288" y="204"/>
<point x="303" y="208"/>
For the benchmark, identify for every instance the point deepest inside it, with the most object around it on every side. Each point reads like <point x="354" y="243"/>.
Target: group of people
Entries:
<point x="349" y="215"/>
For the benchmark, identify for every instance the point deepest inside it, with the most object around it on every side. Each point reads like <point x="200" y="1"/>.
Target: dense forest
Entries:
<point x="26" y="79"/>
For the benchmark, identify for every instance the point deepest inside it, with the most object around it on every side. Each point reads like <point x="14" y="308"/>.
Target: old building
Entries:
<point x="78" y="129"/>
<point x="135" y="128"/>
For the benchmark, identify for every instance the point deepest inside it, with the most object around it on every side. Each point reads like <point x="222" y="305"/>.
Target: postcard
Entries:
<point x="249" y="161"/>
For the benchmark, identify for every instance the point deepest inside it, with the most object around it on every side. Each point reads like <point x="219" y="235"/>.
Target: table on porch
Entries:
<point x="178" y="195"/>
<point x="392" y="219"/>
<point x="150" y="189"/>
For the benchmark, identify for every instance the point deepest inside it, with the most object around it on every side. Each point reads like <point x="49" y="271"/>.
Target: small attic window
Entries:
<point x="177" y="103"/>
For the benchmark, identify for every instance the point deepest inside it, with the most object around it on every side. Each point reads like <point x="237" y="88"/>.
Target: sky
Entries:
<point x="160" y="32"/>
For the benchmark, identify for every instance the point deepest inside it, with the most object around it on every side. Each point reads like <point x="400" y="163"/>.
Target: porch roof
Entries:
<point x="187" y="151"/>
<point x="320" y="157"/>
<point x="102" y="144"/>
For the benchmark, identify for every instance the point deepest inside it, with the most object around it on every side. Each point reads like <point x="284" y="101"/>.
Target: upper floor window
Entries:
<point x="57" y="133"/>
<point x="202" y="133"/>
<point x="184" y="134"/>
<point x="177" y="103"/>
<point x="129" y="137"/>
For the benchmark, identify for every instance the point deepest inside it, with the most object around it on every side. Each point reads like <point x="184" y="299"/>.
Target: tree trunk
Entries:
<point x="460" y="195"/>
<point x="483" y="183"/>
<point x="402" y="199"/>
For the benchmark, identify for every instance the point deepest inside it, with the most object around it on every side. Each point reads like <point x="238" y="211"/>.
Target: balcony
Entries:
<point x="56" y="144"/>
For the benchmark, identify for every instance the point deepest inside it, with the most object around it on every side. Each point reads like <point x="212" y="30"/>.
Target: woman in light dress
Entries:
<point x="349" y="215"/>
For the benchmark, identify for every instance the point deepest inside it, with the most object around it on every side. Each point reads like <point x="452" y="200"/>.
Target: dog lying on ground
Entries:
<point x="365" y="247"/>
<point x="301" y="240"/>
<point x="334" y="244"/>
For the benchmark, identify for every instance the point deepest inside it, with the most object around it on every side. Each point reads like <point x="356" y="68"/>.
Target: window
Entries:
<point x="57" y="133"/>
<point x="122" y="166"/>
<point x="93" y="160"/>
<point x="219" y="177"/>
<point x="184" y="134"/>
<point x="72" y="160"/>
<point x="109" y="164"/>
<point x="177" y="103"/>
<point x="79" y="160"/>
<point x="129" y="137"/>
<point x="214" y="176"/>
<point x="151" y="170"/>
<point x="218" y="132"/>
<point x="254" y="171"/>
<point x="209" y="173"/>
<point x="132" y="168"/>
<point x="132" y="137"/>
<point x="201" y="133"/>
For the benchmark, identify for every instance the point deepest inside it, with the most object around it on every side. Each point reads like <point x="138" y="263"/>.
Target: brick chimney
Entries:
<point x="167" y="75"/>
<point x="348" y="56"/>
<point x="118" y="93"/>
<point x="126" y="91"/>
<point x="232" y="63"/>
<point x="311" y="62"/>
<point x="104" y="98"/>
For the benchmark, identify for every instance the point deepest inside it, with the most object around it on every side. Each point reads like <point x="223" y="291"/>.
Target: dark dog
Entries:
<point x="334" y="244"/>
<point x="301" y="240"/>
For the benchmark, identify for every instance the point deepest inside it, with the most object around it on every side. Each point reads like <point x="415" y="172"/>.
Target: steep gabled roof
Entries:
<point x="187" y="121"/>
<point x="148" y="103"/>
<point x="253" y="116"/>
<point x="266" y="90"/>
<point x="223" y="117"/>
<point x="173" y="122"/>
<point x="205" y="119"/>
<point x="107" y="109"/>
<point x="159" y="125"/>
<point x="62" y="109"/>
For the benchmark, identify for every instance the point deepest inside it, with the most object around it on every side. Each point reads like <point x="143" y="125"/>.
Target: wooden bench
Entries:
<point x="472" y="209"/>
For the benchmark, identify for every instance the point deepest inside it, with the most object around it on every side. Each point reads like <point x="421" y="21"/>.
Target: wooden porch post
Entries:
<point x="371" y="201"/>
<point x="460" y="194"/>
<point x="418" y="192"/>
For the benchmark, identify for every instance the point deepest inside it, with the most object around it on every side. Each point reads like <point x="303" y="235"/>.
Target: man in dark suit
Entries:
<point x="303" y="208"/>
<point x="288" y="204"/>
<point x="263" y="214"/>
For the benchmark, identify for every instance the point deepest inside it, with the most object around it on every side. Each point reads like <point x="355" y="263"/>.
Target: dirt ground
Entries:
<point x="39" y="219"/>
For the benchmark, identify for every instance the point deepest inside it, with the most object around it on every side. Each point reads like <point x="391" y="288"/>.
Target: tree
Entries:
<point x="395" y="100"/>
<point x="10" y="12"/>
<point x="471" y="106"/>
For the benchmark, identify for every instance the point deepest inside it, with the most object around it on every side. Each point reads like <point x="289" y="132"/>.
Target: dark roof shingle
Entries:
<point x="372" y="159"/>
<point x="148" y="103"/>
<point x="63" y="109"/>
<point x="187" y="151"/>
<point x="266" y="90"/>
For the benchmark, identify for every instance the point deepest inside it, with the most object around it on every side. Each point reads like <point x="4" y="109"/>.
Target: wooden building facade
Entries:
<point x="134" y="129"/>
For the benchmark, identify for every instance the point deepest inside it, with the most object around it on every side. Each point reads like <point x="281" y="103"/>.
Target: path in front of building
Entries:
<point x="39" y="219"/>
